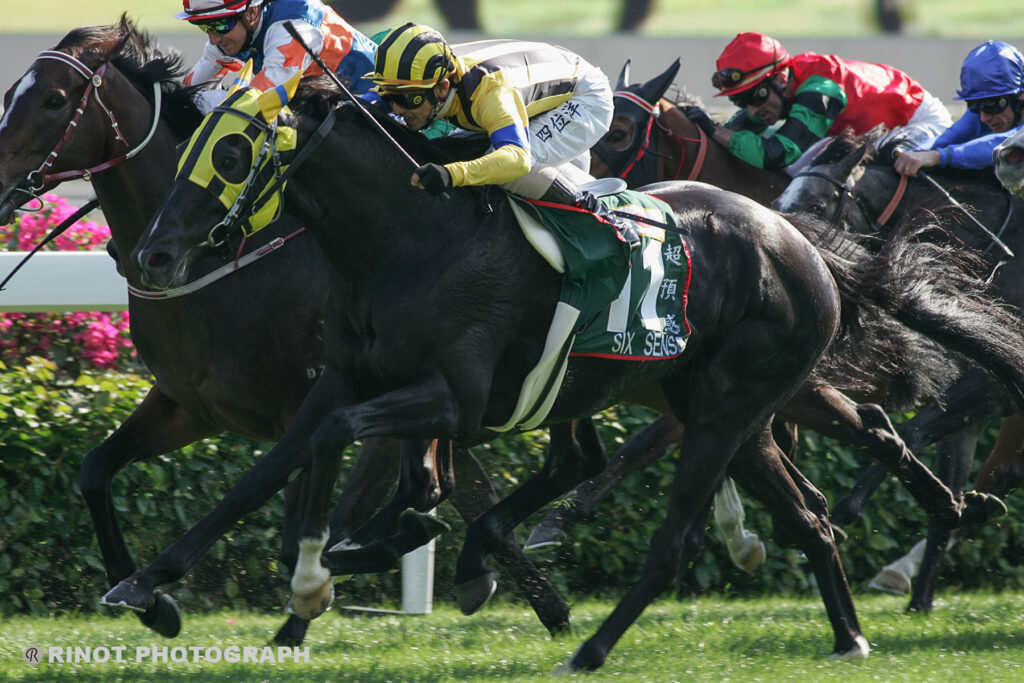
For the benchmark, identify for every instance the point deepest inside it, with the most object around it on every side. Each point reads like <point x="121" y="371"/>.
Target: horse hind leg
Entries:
<point x="576" y="452"/>
<point x="473" y="496"/>
<point x="651" y="443"/>
<point x="800" y="514"/>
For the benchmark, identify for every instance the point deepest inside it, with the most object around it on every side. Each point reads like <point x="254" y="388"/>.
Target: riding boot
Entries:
<point x="563" y="191"/>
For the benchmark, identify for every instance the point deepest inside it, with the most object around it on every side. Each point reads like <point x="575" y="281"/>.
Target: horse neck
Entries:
<point x="719" y="167"/>
<point x="357" y="201"/>
<point x="131" y="191"/>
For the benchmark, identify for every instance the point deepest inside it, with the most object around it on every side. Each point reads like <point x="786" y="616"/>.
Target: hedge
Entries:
<point x="49" y="561"/>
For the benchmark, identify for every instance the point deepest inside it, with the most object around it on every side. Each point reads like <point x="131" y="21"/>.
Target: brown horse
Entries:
<point x="222" y="360"/>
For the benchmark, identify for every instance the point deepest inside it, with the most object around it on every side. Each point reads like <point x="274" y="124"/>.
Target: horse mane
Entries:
<point x="317" y="96"/>
<point x="848" y="141"/>
<point x="135" y="54"/>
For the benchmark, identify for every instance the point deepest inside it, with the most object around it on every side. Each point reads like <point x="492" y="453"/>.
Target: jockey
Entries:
<point x="813" y="96"/>
<point x="541" y="106"/>
<point x="240" y="30"/>
<point x="992" y="83"/>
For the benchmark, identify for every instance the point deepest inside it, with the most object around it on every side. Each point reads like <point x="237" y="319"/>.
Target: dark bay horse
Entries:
<point x="651" y="140"/>
<point x="850" y="182"/>
<point x="405" y="361"/>
<point x="239" y="354"/>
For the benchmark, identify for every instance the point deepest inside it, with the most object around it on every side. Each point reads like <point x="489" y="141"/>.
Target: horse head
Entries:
<point x="833" y="186"/>
<point x="229" y="183"/>
<point x="1009" y="161"/>
<point x="634" y="108"/>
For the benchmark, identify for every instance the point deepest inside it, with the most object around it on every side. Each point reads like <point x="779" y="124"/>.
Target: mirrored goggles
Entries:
<point x="752" y="97"/>
<point x="408" y="99"/>
<point x="990" y="106"/>
<point x="220" y="25"/>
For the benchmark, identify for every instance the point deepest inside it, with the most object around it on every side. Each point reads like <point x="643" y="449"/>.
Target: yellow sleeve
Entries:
<point x="499" y="110"/>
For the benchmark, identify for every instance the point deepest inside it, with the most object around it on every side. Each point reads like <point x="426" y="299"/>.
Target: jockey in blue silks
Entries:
<point x="992" y="83"/>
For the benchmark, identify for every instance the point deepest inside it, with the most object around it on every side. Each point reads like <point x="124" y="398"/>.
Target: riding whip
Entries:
<point x="290" y="27"/>
<point x="65" y="224"/>
<point x="995" y="238"/>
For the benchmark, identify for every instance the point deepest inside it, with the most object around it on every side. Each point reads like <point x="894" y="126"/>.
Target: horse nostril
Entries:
<point x="1012" y="155"/>
<point x="158" y="260"/>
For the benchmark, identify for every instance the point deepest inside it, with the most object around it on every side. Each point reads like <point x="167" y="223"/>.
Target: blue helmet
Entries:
<point x="990" y="70"/>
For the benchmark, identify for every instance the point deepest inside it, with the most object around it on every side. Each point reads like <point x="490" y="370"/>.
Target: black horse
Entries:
<point x="440" y="314"/>
<point x="852" y="183"/>
<point x="219" y="363"/>
<point x="651" y="140"/>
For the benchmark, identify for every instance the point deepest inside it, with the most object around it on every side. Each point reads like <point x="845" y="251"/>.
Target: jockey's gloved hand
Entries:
<point x="434" y="178"/>
<point x="701" y="119"/>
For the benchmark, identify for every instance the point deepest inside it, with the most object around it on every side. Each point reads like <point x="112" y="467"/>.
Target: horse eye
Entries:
<point x="232" y="157"/>
<point x="55" y="101"/>
<point x="616" y="137"/>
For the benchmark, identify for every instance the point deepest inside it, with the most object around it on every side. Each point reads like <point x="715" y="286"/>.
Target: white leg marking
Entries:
<point x="309" y="574"/>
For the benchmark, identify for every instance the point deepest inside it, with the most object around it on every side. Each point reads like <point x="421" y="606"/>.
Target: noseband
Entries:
<point x="41" y="177"/>
<point x="845" y="190"/>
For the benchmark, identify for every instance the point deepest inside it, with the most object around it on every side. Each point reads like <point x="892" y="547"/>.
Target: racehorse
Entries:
<point x="851" y="183"/>
<point x="404" y="361"/>
<point x="651" y="140"/>
<point x="221" y="360"/>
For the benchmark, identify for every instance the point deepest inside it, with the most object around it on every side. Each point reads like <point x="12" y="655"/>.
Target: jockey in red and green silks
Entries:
<point x="811" y="96"/>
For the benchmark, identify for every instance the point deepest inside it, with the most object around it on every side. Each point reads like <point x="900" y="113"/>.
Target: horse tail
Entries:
<point x="934" y="290"/>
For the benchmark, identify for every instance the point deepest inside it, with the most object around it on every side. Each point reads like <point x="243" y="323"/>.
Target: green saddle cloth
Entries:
<point x="631" y="302"/>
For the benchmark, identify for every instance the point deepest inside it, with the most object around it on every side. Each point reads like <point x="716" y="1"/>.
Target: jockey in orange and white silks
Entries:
<point x="240" y="30"/>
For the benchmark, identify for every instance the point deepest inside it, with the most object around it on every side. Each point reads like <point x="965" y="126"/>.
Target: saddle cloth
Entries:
<point x="615" y="302"/>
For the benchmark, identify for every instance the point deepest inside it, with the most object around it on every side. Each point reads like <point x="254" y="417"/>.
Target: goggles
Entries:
<point x="220" y="25"/>
<point x="752" y="97"/>
<point x="990" y="106"/>
<point x="407" y="100"/>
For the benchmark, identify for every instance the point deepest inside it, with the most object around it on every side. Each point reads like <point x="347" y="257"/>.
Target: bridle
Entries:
<point x="845" y="191"/>
<point x="41" y="177"/>
<point x="648" y="145"/>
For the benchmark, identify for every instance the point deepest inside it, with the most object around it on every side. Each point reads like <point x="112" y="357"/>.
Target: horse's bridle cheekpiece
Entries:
<point x="256" y="201"/>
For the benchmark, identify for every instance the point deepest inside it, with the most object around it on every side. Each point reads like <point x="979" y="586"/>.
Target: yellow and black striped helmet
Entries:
<point x="412" y="56"/>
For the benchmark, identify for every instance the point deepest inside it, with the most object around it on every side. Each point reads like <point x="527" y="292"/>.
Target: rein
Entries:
<point x="845" y="190"/>
<point x="41" y="177"/>
<point x="64" y="225"/>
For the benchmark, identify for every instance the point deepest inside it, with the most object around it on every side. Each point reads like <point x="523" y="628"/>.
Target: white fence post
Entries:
<point x="59" y="281"/>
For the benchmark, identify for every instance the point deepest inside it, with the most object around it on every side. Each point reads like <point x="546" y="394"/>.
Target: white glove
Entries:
<point x="206" y="100"/>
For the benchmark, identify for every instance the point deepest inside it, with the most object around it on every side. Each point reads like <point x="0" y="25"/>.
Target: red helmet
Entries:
<point x="201" y="10"/>
<point x="746" y="61"/>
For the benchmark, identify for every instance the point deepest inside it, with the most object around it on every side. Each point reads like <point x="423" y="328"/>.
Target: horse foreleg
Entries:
<point x="158" y="425"/>
<point x="268" y="476"/>
<point x="651" y="443"/>
<point x="575" y="453"/>
<point x="416" y="412"/>
<point x="473" y="497"/>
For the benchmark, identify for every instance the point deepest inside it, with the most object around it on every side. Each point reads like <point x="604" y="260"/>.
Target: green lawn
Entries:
<point x="973" y="637"/>
<point x="809" y="18"/>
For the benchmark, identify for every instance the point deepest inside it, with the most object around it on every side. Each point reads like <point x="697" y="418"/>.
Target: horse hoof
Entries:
<point x="474" y="593"/>
<point x="414" y="521"/>
<point x="292" y="633"/>
<point x="128" y="595"/>
<point x="860" y="650"/>
<point x="311" y="605"/>
<point x="164" y="616"/>
<point x="544" y="536"/>
<point x="980" y="508"/>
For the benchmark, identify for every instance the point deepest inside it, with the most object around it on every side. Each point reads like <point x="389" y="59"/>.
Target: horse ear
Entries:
<point x="654" y="89"/>
<point x="243" y="78"/>
<point x="623" y="77"/>
<point x="272" y="101"/>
